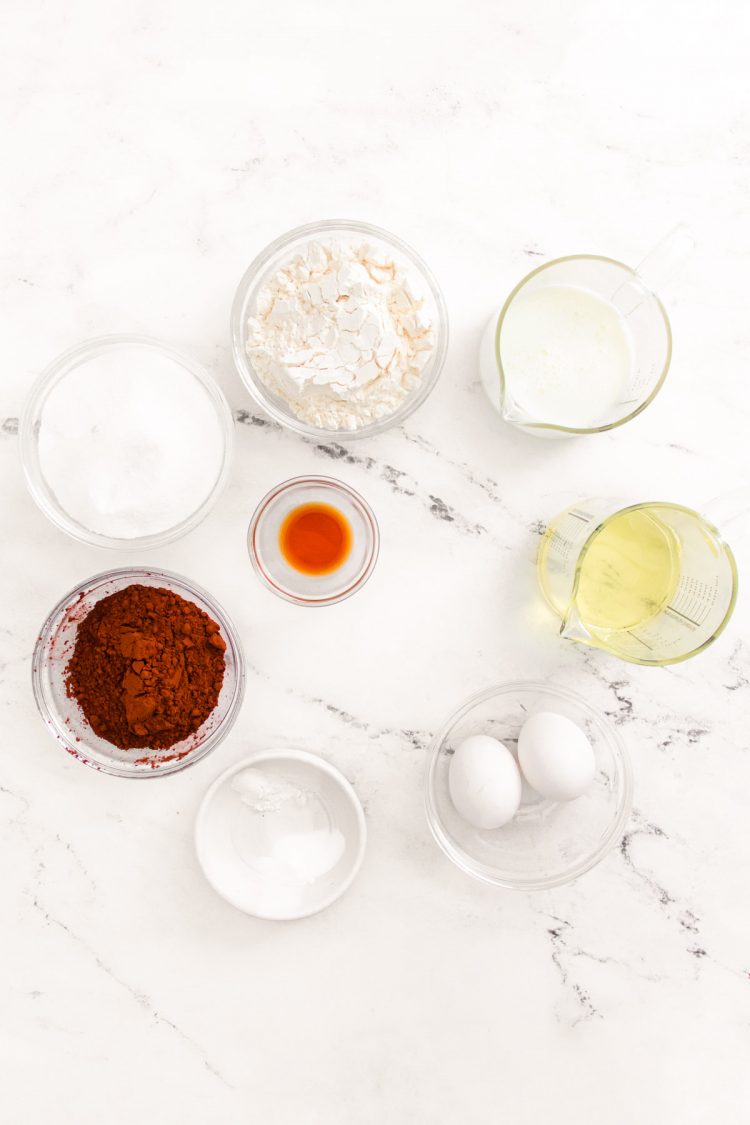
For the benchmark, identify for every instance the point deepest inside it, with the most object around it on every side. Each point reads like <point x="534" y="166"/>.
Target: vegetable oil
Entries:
<point x="628" y="572"/>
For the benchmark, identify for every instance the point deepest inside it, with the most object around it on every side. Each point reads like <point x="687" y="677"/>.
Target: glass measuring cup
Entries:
<point x="582" y="344"/>
<point x="652" y="583"/>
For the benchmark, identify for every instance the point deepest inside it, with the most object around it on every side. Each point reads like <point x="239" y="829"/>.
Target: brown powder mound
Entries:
<point x="147" y="667"/>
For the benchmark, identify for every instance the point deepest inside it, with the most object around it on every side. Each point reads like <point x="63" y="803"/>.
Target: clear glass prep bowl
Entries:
<point x="63" y="716"/>
<point x="548" y="843"/>
<point x="279" y="252"/>
<point x="313" y="589"/>
<point x="43" y="491"/>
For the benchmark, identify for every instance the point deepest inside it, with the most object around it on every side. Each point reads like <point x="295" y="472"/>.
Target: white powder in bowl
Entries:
<point x="130" y="442"/>
<point x="339" y="333"/>
<point x="286" y="835"/>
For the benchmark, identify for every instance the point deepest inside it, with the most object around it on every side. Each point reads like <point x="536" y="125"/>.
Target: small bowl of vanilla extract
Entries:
<point x="313" y="541"/>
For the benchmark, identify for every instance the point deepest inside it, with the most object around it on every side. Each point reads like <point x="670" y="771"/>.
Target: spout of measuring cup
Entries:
<point x="513" y="413"/>
<point x="573" y="629"/>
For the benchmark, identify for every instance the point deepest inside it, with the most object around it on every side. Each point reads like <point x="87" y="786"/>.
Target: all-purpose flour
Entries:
<point x="130" y="443"/>
<point x="339" y="334"/>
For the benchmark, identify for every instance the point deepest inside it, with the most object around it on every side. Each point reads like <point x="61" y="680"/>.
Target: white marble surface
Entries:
<point x="150" y="150"/>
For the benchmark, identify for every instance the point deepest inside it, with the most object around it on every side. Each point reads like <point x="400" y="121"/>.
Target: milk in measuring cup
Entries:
<point x="567" y="356"/>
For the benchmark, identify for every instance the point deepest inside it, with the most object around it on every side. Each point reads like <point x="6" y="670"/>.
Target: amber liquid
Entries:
<point x="315" y="538"/>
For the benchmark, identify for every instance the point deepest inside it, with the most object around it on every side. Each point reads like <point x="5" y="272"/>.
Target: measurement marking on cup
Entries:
<point x="684" y="616"/>
<point x="631" y="633"/>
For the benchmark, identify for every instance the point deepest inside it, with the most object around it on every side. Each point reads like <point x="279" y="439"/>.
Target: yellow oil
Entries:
<point x="628" y="573"/>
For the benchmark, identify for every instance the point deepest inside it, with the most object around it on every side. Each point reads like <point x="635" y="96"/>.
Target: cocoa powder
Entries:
<point x="147" y="667"/>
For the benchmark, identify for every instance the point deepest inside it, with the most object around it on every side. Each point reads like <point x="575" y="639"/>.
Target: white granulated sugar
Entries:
<point x="339" y="334"/>
<point x="130" y="443"/>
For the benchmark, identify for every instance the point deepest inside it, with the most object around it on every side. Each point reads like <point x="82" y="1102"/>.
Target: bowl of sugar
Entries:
<point x="125" y="442"/>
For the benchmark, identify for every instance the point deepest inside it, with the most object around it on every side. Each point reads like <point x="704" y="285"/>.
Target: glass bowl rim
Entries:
<point x="336" y="486"/>
<point x="40" y="489"/>
<point x="324" y="766"/>
<point x="79" y="751"/>
<point x="483" y="872"/>
<point x="583" y="258"/>
<point x="253" y="384"/>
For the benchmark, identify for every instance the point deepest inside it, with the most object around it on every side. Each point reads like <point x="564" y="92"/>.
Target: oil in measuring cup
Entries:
<point x="652" y="583"/>
<point x="629" y="572"/>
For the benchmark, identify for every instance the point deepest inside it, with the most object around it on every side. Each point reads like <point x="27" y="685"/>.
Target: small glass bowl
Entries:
<point x="281" y="251"/>
<point x="233" y="853"/>
<point x="43" y="490"/>
<point x="312" y="589"/>
<point x="548" y="843"/>
<point x="64" y="717"/>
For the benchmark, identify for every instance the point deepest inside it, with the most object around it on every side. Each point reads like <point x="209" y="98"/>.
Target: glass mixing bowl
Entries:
<point x="43" y="490"/>
<point x="279" y="253"/>
<point x="63" y="716"/>
<point x="547" y="843"/>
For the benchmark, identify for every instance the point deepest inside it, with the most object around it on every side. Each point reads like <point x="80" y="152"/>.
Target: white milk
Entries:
<point x="567" y="355"/>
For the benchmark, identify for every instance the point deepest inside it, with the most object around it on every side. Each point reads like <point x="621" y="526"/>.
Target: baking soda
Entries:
<point x="286" y="835"/>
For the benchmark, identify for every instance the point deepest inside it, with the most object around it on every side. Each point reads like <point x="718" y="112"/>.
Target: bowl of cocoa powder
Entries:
<point x="138" y="672"/>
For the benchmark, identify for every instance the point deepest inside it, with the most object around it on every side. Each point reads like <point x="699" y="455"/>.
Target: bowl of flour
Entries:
<point x="125" y="442"/>
<point x="339" y="327"/>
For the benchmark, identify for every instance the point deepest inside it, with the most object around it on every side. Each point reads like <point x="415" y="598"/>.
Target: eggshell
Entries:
<point x="484" y="782"/>
<point x="555" y="756"/>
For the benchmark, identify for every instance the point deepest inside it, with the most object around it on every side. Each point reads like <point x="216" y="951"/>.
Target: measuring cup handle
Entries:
<point x="729" y="508"/>
<point x="667" y="258"/>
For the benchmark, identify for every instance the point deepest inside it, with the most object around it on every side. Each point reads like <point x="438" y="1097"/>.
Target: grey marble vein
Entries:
<point x="739" y="665"/>
<point x="401" y="483"/>
<point x="643" y="827"/>
<point x="259" y="421"/>
<point x="140" y="998"/>
<point x="414" y="739"/>
<point x="485" y="484"/>
<point x="558" y="940"/>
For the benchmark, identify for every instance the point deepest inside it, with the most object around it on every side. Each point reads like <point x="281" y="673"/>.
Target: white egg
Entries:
<point x="484" y="782"/>
<point x="555" y="755"/>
